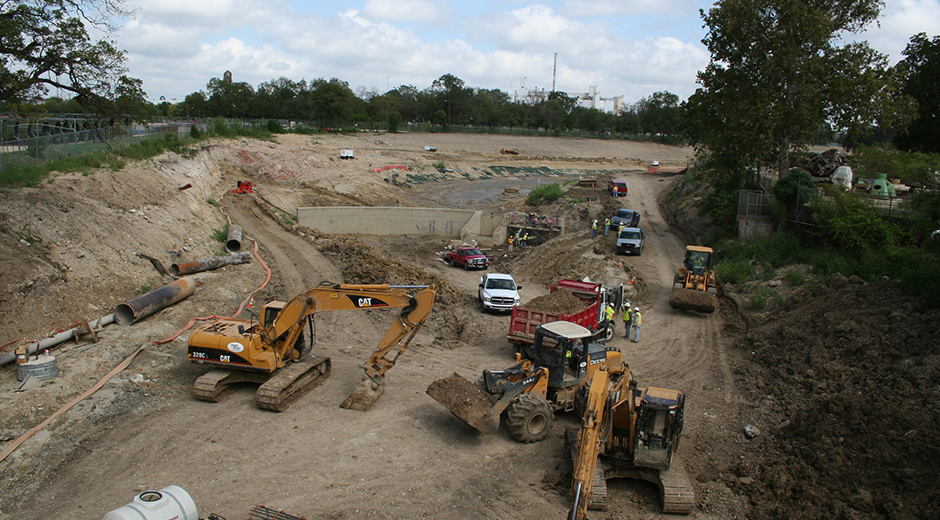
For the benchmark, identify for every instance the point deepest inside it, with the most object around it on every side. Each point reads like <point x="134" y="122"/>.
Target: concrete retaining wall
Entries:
<point x="363" y="220"/>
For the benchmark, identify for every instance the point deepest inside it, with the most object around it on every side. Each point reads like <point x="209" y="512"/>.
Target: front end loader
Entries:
<point x="695" y="286"/>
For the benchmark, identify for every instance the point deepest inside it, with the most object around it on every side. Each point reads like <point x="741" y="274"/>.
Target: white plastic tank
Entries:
<point x="842" y="177"/>
<point x="170" y="503"/>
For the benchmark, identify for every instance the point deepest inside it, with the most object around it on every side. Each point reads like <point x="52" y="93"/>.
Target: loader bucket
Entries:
<point x="365" y="395"/>
<point x="693" y="300"/>
<point x="466" y="401"/>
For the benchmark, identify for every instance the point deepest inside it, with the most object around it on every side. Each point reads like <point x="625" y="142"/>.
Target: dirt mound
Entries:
<point x="558" y="302"/>
<point x="363" y="264"/>
<point x="843" y="389"/>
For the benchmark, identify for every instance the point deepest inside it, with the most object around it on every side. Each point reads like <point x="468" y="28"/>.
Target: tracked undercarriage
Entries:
<point x="277" y="391"/>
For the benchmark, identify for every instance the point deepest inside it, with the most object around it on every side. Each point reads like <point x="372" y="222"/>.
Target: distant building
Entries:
<point x="227" y="76"/>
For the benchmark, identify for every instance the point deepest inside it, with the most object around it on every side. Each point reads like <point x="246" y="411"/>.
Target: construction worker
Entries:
<point x="510" y="243"/>
<point x="636" y="322"/>
<point x="525" y="239"/>
<point x="594" y="229"/>
<point x="606" y="226"/>
<point x="609" y="314"/>
<point x="627" y="318"/>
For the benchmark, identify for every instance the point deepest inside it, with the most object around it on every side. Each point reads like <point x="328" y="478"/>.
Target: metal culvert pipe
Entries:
<point x="8" y="357"/>
<point x="207" y="264"/>
<point x="233" y="243"/>
<point x="144" y="305"/>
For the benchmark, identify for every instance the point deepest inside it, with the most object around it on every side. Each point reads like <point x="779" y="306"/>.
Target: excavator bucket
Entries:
<point x="467" y="402"/>
<point x="693" y="300"/>
<point x="365" y="395"/>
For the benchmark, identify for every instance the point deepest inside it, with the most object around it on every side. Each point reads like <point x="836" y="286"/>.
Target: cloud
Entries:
<point x="421" y="11"/>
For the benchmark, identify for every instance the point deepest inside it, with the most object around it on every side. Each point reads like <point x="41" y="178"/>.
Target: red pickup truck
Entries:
<point x="468" y="257"/>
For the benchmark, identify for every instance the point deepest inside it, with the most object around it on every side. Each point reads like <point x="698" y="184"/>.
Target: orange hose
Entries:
<point x="217" y="317"/>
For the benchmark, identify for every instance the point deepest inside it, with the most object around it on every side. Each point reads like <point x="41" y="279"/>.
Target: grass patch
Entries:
<point x="547" y="193"/>
<point x="763" y="298"/>
<point x="794" y="278"/>
<point x="221" y="234"/>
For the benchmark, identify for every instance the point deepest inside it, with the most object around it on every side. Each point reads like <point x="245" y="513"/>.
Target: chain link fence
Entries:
<point x="29" y="143"/>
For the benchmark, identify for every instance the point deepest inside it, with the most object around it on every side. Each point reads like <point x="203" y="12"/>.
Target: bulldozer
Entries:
<point x="627" y="432"/>
<point x="271" y="349"/>
<point x="695" y="286"/>
<point x="530" y="392"/>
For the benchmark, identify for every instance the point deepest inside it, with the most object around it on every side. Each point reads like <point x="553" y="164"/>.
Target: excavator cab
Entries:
<point x="659" y="424"/>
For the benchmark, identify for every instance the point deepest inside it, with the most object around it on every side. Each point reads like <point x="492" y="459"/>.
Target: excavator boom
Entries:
<point x="277" y="343"/>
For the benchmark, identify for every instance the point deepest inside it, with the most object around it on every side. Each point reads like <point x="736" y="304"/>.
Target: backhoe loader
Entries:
<point x="694" y="285"/>
<point x="531" y="391"/>
<point x="274" y="353"/>
<point x="627" y="432"/>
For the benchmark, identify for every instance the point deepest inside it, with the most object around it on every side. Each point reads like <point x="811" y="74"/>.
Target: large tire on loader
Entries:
<point x="529" y="418"/>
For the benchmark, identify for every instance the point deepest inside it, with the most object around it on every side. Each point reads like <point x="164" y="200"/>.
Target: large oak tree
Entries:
<point x="780" y="71"/>
<point x="46" y="43"/>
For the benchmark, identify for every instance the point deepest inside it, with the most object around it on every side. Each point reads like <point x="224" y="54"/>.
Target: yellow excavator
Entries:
<point x="273" y="352"/>
<point x="628" y="432"/>
<point x="695" y="286"/>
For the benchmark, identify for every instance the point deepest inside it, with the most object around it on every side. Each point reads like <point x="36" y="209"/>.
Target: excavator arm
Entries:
<point x="595" y="426"/>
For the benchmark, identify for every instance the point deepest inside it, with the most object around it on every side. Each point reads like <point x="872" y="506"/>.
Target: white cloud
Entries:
<point x="900" y="20"/>
<point x="422" y="11"/>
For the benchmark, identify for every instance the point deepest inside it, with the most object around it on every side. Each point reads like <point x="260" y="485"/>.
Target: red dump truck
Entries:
<point x="595" y="296"/>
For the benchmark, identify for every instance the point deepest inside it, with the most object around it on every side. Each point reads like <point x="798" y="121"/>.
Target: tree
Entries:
<point x="777" y="74"/>
<point x="45" y="43"/>
<point x="659" y="113"/>
<point x="921" y="70"/>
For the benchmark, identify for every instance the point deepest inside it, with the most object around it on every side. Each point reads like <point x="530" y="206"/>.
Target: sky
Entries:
<point x="627" y="48"/>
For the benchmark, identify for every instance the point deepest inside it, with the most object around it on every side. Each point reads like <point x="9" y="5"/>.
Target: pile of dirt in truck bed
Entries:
<point x="843" y="396"/>
<point x="557" y="302"/>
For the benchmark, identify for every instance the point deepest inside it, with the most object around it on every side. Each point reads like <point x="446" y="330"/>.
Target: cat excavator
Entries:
<point x="627" y="432"/>
<point x="273" y="351"/>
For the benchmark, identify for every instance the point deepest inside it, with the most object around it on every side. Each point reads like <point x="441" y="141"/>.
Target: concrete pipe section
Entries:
<point x="142" y="306"/>
<point x="207" y="264"/>
<point x="233" y="243"/>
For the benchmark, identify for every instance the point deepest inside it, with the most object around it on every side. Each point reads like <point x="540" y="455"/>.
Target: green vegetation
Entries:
<point x="221" y="234"/>
<point x="439" y="165"/>
<point x="547" y="193"/>
<point x="80" y="159"/>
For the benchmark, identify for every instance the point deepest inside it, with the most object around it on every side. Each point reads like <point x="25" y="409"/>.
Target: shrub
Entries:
<point x="547" y="193"/>
<point x="734" y="271"/>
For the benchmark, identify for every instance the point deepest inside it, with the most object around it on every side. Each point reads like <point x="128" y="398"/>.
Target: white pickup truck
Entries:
<point x="498" y="292"/>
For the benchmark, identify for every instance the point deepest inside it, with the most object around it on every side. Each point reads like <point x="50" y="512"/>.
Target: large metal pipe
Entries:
<point x="233" y="243"/>
<point x="8" y="357"/>
<point x="208" y="264"/>
<point x="144" y="305"/>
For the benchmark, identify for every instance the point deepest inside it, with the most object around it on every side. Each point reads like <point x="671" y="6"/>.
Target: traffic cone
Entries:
<point x="251" y="301"/>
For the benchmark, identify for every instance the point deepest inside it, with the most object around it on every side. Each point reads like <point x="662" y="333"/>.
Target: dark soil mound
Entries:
<point x="845" y="393"/>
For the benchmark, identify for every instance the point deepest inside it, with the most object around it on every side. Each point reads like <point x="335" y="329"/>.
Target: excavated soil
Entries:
<point x="556" y="302"/>
<point x="821" y="405"/>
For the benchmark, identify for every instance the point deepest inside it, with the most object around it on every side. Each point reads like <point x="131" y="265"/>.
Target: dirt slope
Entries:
<point x="69" y="246"/>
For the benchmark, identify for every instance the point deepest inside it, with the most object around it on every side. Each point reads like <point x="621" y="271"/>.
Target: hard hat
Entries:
<point x="637" y="309"/>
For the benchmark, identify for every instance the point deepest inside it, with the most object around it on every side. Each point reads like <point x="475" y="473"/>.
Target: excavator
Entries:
<point x="531" y="391"/>
<point x="694" y="286"/>
<point x="627" y="432"/>
<point x="273" y="352"/>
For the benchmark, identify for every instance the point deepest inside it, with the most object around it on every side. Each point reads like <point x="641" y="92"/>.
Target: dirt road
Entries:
<point x="407" y="457"/>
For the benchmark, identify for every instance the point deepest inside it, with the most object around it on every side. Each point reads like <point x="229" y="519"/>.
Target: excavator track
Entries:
<point x="599" y="489"/>
<point x="676" y="488"/>
<point x="291" y="382"/>
<point x="215" y="385"/>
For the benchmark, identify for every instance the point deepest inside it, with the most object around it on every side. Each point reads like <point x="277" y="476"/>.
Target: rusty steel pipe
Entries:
<point x="208" y="264"/>
<point x="144" y="305"/>
<point x="233" y="243"/>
